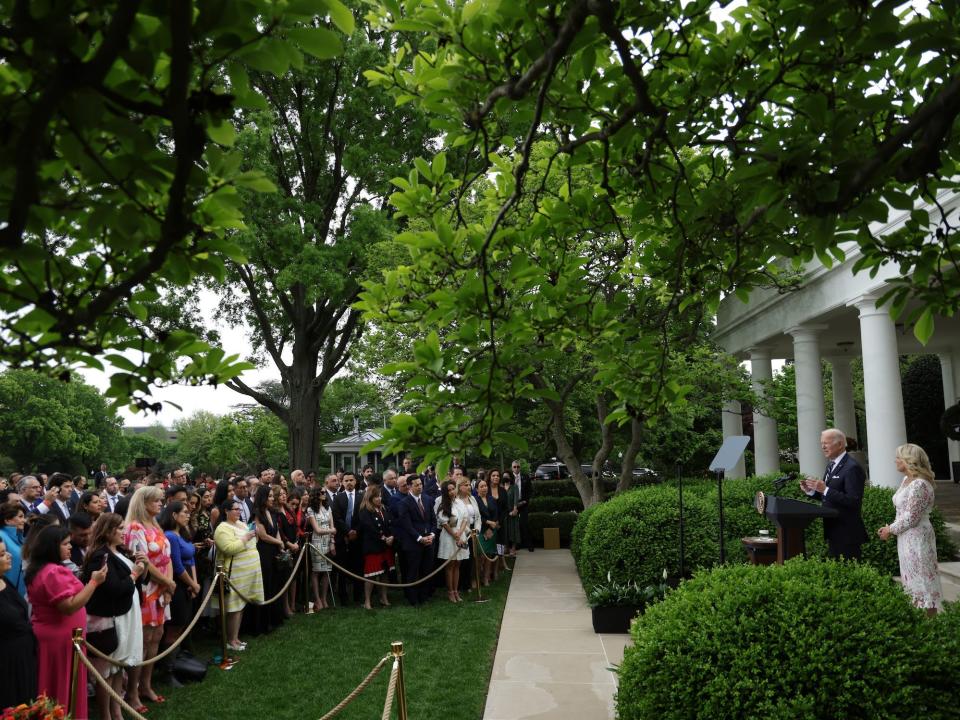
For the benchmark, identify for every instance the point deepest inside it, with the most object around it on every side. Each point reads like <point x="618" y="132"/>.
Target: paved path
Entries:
<point x="549" y="662"/>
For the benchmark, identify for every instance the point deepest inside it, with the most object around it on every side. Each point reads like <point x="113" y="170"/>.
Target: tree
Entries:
<point x="246" y="440"/>
<point x="49" y="425"/>
<point x="119" y="177"/>
<point x="330" y="143"/>
<point x="713" y="145"/>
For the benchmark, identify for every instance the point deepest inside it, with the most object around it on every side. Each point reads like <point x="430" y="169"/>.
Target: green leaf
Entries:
<point x="222" y="133"/>
<point x="319" y="42"/>
<point x="923" y="329"/>
<point x="341" y="16"/>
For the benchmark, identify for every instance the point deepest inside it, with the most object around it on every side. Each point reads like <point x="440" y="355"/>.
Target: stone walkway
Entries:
<point x="549" y="662"/>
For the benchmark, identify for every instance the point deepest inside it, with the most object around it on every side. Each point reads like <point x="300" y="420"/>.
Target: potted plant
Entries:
<point x="613" y="605"/>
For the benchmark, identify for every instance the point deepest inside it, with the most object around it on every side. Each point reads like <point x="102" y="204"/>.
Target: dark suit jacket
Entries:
<point x="340" y="505"/>
<point x="373" y="529"/>
<point x="58" y="514"/>
<point x="409" y="524"/>
<point x="844" y="493"/>
<point x="122" y="504"/>
<point x="526" y="492"/>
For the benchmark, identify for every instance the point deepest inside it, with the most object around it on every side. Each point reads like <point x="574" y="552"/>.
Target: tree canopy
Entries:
<point x="119" y="173"/>
<point x="625" y="165"/>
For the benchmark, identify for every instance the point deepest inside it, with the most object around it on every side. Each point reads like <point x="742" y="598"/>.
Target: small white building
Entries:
<point x="347" y="452"/>
<point x="833" y="316"/>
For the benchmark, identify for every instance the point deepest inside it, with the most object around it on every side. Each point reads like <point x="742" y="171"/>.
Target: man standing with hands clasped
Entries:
<point x="841" y="488"/>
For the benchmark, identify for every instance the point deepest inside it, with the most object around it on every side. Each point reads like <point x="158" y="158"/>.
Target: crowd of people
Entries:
<point x="130" y="560"/>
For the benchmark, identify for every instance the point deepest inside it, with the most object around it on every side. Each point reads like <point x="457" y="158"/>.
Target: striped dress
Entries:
<point x="241" y="561"/>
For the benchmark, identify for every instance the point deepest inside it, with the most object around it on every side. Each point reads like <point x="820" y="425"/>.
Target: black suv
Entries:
<point x="552" y="470"/>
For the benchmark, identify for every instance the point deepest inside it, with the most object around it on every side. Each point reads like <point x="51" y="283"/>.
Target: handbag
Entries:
<point x="106" y="641"/>
<point x="284" y="560"/>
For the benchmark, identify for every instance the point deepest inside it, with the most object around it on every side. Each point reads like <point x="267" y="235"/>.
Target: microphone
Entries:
<point x="782" y="481"/>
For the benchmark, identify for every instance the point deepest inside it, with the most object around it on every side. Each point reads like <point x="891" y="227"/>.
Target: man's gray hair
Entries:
<point x="836" y="435"/>
<point x="22" y="483"/>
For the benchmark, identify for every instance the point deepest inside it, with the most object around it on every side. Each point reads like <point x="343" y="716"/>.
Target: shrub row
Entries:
<point x="635" y="536"/>
<point x="809" y="639"/>
<point x="556" y="504"/>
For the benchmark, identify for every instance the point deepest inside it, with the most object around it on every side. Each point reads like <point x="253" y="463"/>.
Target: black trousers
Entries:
<point x="419" y="563"/>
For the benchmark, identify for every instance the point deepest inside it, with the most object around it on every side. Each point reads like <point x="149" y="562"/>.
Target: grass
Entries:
<point x="305" y="668"/>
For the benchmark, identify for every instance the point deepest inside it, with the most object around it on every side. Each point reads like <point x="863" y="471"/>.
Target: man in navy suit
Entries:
<point x="841" y="488"/>
<point x="415" y="526"/>
<point x="57" y="498"/>
<point x="346" y="518"/>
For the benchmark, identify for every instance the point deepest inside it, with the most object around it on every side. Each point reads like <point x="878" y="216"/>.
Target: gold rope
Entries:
<point x="293" y="575"/>
<point x="391" y="688"/>
<point x="377" y="582"/>
<point x="359" y="689"/>
<point x="99" y="679"/>
<point x="161" y="656"/>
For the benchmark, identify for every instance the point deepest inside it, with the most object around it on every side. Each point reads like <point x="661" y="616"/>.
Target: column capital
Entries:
<point x="806" y="332"/>
<point x="867" y="305"/>
<point x="760" y="352"/>
<point x="838" y="358"/>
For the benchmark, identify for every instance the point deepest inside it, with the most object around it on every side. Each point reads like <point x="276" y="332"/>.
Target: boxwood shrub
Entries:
<point x="809" y="639"/>
<point x="562" y="520"/>
<point x="579" y="528"/>
<point x="635" y="536"/>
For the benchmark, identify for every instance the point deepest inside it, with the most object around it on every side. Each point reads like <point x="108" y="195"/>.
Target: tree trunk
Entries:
<point x="630" y="456"/>
<point x="303" y="423"/>
<point x="606" y="447"/>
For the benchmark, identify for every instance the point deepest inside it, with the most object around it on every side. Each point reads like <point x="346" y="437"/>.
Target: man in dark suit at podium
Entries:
<point x="841" y="488"/>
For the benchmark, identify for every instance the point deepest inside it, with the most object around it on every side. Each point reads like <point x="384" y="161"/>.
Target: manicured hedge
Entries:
<point x="562" y="520"/>
<point x="809" y="639"/>
<point x="556" y="504"/>
<point x="579" y="528"/>
<point x="635" y="536"/>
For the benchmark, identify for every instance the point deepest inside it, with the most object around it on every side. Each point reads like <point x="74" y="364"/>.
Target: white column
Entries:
<point x="886" y="427"/>
<point x="844" y="415"/>
<point x="766" y="453"/>
<point x="811" y="414"/>
<point x="949" y="371"/>
<point x="732" y="426"/>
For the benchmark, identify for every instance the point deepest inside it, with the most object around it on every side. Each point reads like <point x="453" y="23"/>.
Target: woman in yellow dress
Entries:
<point x="237" y="550"/>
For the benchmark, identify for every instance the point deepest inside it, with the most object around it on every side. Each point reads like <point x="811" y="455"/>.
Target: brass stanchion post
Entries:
<point x="75" y="670"/>
<point x="307" y="567"/>
<point x="225" y="662"/>
<point x="476" y="568"/>
<point x="397" y="649"/>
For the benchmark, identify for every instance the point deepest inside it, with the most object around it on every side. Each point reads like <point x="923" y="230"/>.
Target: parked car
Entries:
<point x="551" y="470"/>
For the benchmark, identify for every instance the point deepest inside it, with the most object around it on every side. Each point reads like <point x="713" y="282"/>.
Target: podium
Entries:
<point x="791" y="518"/>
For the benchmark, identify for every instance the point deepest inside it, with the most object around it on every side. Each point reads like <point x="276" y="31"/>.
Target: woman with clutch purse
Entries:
<point x="114" y="625"/>
<point x="237" y="551"/>
<point x="142" y="534"/>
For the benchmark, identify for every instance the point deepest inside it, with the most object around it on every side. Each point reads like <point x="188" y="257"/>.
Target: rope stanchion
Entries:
<point x="156" y="658"/>
<point x="397" y="650"/>
<point x="283" y="590"/>
<point x="99" y="679"/>
<point x="75" y="670"/>
<point x="477" y="552"/>
<point x="359" y="689"/>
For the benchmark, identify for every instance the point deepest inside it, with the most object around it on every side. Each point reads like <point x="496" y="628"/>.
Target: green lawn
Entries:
<point x="306" y="667"/>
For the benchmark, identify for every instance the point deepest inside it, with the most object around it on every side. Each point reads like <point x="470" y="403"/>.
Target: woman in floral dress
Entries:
<point x="916" y="543"/>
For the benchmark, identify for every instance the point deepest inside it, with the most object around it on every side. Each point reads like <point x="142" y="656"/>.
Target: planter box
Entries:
<point x="614" y="618"/>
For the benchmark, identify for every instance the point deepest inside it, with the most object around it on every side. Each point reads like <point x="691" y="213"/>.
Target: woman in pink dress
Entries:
<point x="144" y="535"/>
<point x="916" y="543"/>
<point x="57" y="599"/>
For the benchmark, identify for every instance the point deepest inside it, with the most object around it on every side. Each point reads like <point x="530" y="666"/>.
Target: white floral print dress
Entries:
<point x="916" y="543"/>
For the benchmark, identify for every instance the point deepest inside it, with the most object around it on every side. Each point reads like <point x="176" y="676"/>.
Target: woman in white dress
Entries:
<point x="458" y="514"/>
<point x="114" y="606"/>
<point x="916" y="542"/>
<point x="320" y="523"/>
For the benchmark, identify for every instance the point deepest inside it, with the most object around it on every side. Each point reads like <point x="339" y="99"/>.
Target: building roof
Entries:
<point x="354" y="441"/>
